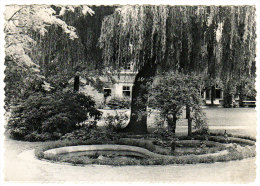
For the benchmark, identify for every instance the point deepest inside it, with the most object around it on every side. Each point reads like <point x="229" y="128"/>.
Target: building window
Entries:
<point x="107" y="92"/>
<point x="126" y="91"/>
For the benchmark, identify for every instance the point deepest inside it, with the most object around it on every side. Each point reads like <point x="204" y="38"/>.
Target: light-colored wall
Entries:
<point x="118" y="89"/>
<point x="125" y="79"/>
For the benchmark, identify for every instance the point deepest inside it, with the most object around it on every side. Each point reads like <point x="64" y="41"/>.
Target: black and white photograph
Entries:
<point x="130" y="92"/>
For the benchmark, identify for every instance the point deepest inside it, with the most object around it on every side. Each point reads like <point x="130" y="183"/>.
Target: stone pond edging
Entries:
<point x="118" y="149"/>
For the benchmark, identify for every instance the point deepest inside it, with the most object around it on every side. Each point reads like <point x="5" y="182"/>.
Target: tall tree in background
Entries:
<point x="63" y="57"/>
<point x="26" y="29"/>
<point x="200" y="39"/>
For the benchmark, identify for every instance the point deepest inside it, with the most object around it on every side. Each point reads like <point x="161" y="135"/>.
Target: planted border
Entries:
<point x="233" y="152"/>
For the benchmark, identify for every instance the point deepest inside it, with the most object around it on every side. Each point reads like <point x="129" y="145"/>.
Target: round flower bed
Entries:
<point x="128" y="151"/>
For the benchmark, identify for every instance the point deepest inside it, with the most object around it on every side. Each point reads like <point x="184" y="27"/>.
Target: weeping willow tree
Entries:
<point x="238" y="49"/>
<point x="136" y="33"/>
<point x="25" y="27"/>
<point x="215" y="41"/>
<point x="61" y="58"/>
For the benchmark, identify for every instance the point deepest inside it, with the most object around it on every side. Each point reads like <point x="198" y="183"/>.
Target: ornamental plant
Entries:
<point x="49" y="116"/>
<point x="173" y="91"/>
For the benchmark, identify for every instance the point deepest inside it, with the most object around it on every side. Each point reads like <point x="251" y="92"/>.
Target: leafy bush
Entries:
<point x="163" y="134"/>
<point x="46" y="116"/>
<point x="96" y="135"/>
<point x="116" y="122"/>
<point x="172" y="92"/>
<point x="119" y="103"/>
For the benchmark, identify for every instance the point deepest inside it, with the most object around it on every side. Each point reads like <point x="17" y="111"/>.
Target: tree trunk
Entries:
<point x="213" y="95"/>
<point x="241" y="95"/>
<point x="228" y="99"/>
<point x="189" y="120"/>
<point x="189" y="127"/>
<point x="228" y="95"/>
<point x="187" y="111"/>
<point x="76" y="83"/>
<point x="172" y="123"/>
<point x="138" y="117"/>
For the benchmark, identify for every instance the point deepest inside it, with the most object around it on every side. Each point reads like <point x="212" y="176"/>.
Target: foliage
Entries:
<point x="45" y="116"/>
<point x="19" y="83"/>
<point x="198" y="117"/>
<point x="127" y="35"/>
<point x="236" y="136"/>
<point x="21" y="20"/>
<point x="116" y="122"/>
<point x="171" y="92"/>
<point x="229" y="94"/>
<point x="214" y="41"/>
<point x="162" y="133"/>
<point x="246" y="89"/>
<point x="95" y="135"/>
<point x="119" y="103"/>
<point x="26" y="29"/>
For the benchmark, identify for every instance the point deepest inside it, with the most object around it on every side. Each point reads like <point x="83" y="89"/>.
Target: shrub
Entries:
<point x="116" y="122"/>
<point x="173" y="91"/>
<point x="163" y="134"/>
<point x="96" y="135"/>
<point x="48" y="116"/>
<point x="119" y="103"/>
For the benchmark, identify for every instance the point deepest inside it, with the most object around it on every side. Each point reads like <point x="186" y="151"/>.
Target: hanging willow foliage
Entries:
<point x="128" y="35"/>
<point x="215" y="40"/>
<point x="56" y="52"/>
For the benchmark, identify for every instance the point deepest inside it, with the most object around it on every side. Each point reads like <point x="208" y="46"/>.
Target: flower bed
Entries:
<point x="143" y="152"/>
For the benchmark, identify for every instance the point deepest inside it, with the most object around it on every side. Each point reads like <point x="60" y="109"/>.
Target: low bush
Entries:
<point x="97" y="134"/>
<point x="163" y="134"/>
<point x="119" y="103"/>
<point x="48" y="116"/>
<point x="115" y="123"/>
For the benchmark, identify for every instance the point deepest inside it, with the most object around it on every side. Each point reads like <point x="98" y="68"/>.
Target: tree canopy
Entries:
<point x="29" y="34"/>
<point x="216" y="40"/>
<point x="22" y="20"/>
